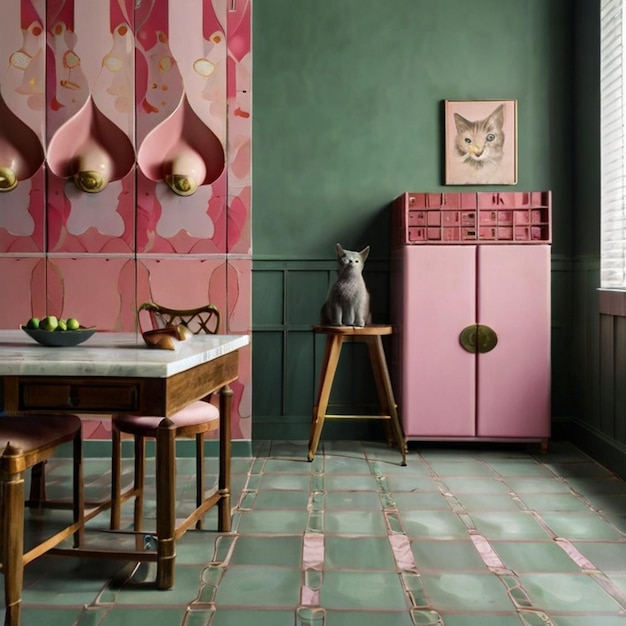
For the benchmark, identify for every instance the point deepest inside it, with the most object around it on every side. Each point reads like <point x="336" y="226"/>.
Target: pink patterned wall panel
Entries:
<point x="238" y="290"/>
<point x="239" y="127"/>
<point x="182" y="281"/>
<point x="22" y="116"/>
<point x="181" y="128"/>
<point x="90" y="126"/>
<point x="22" y="212"/>
<point x="24" y="279"/>
<point x="110" y="100"/>
<point x="187" y="282"/>
<point x="92" y="289"/>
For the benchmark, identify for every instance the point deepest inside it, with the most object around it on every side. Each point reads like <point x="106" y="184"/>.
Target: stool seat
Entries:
<point x="372" y="335"/>
<point x="361" y="331"/>
<point x="197" y="417"/>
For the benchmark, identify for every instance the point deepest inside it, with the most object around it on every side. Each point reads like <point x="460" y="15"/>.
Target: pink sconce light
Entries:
<point x="21" y="152"/>
<point x="182" y="151"/>
<point x="93" y="167"/>
<point x="91" y="150"/>
<point x="187" y="172"/>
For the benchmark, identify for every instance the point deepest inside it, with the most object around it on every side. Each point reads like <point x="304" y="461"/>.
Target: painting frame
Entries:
<point x="487" y="161"/>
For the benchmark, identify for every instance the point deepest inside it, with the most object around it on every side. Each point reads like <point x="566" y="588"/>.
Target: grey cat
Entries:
<point x="348" y="301"/>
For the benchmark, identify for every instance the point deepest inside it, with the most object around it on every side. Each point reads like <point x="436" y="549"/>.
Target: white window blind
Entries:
<point x="613" y="120"/>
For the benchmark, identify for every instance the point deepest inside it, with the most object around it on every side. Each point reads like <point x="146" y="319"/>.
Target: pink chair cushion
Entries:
<point x="30" y="432"/>
<point x="197" y="412"/>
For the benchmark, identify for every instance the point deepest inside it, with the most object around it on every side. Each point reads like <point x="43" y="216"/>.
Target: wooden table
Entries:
<point x="117" y="373"/>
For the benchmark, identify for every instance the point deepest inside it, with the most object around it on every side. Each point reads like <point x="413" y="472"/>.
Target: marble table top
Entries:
<point x="110" y="354"/>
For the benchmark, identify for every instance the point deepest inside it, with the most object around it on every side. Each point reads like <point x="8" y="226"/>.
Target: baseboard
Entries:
<point x="185" y="448"/>
<point x="601" y="448"/>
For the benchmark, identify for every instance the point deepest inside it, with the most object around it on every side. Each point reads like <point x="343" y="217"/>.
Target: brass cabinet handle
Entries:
<point x="478" y="338"/>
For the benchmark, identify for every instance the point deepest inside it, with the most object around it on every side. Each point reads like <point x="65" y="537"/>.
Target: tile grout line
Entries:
<point x="587" y="567"/>
<point x="519" y="598"/>
<point x="310" y="613"/>
<point x="406" y="567"/>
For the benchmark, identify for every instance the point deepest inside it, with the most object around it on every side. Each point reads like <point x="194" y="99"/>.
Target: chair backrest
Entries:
<point x="203" y="319"/>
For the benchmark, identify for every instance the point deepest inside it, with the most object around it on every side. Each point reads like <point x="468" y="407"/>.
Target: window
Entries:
<point x="613" y="139"/>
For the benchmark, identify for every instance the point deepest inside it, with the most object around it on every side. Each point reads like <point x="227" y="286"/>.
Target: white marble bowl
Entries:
<point x="59" y="338"/>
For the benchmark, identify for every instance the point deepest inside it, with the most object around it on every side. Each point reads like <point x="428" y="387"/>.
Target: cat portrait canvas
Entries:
<point x="481" y="142"/>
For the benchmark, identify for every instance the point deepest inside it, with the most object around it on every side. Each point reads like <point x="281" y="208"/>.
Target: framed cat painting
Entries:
<point x="481" y="142"/>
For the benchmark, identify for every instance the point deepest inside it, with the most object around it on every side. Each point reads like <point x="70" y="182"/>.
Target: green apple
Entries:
<point x="72" y="324"/>
<point x="33" y="322"/>
<point x="61" y="325"/>
<point x="50" y="322"/>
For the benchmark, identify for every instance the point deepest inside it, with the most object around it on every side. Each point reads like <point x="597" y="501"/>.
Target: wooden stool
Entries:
<point x="193" y="421"/>
<point x="371" y="335"/>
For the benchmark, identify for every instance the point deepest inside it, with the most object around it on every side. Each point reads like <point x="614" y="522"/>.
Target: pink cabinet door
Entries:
<point x="436" y="298"/>
<point x="513" y="391"/>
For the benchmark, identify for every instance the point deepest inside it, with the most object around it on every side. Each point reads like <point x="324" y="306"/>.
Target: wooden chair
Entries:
<point x="195" y="420"/>
<point x="26" y="441"/>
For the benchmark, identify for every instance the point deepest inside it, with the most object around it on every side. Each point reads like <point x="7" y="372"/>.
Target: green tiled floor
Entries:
<point x="463" y="536"/>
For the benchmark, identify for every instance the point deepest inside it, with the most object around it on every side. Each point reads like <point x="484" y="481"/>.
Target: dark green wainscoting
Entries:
<point x="287" y="356"/>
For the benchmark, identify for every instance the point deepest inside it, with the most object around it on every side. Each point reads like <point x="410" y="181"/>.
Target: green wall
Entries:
<point x="347" y="115"/>
<point x="597" y="374"/>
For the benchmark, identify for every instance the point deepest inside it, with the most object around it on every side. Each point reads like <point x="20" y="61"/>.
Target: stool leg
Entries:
<point x="385" y="390"/>
<point x="37" y="485"/>
<point x="116" y="472"/>
<point x="199" y="475"/>
<point x="78" y="489"/>
<point x="139" y="480"/>
<point x="329" y="367"/>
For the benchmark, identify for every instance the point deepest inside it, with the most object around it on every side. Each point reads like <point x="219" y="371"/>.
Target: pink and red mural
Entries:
<point x="125" y="164"/>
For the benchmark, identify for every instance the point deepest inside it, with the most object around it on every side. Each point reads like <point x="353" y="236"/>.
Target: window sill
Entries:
<point x="612" y="302"/>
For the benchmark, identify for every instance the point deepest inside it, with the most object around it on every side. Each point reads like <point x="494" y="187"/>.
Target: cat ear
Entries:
<point x="461" y="123"/>
<point x="364" y="253"/>
<point x="339" y="250"/>
<point x="498" y="116"/>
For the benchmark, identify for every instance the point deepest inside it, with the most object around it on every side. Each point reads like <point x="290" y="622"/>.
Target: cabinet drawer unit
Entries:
<point x="514" y="217"/>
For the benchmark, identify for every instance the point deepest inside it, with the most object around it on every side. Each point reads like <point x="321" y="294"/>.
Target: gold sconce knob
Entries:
<point x="8" y="179"/>
<point x="478" y="338"/>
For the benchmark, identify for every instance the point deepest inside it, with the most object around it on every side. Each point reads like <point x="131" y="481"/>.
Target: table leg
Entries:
<point x="223" y="506"/>
<point x="12" y="551"/>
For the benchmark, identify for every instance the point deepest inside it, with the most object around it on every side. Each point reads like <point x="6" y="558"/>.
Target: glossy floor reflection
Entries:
<point x="465" y="536"/>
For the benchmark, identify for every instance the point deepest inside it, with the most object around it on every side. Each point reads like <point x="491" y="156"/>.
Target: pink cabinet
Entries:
<point x="444" y="296"/>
